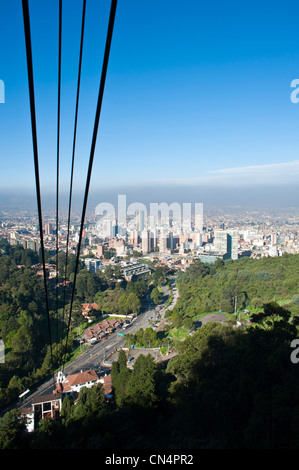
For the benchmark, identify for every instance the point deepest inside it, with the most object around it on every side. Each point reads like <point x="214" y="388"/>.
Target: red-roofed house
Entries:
<point x="95" y="332"/>
<point x="74" y="383"/>
<point x="49" y="406"/>
<point x="86" y="308"/>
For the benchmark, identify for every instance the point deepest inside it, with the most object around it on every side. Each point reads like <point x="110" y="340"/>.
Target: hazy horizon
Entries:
<point x="247" y="197"/>
<point x="200" y="110"/>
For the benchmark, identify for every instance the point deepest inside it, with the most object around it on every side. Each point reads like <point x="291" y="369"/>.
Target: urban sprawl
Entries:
<point x="230" y="235"/>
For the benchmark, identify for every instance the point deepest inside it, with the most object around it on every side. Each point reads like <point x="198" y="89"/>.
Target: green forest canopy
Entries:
<point x="251" y="283"/>
<point x="227" y="389"/>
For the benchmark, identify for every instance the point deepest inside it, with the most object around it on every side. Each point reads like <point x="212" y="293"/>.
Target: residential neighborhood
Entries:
<point x="103" y="328"/>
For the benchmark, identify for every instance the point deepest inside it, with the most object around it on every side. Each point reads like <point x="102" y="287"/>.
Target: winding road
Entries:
<point x="94" y="355"/>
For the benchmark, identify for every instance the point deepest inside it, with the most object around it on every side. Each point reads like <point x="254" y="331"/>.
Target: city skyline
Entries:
<point x="159" y="307"/>
<point x="226" y="235"/>
<point x="203" y="104"/>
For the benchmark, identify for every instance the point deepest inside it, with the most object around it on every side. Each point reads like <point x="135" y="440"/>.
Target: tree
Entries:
<point x="141" y="385"/>
<point x="12" y="430"/>
<point x="71" y="263"/>
<point x="48" y="435"/>
<point x="109" y="275"/>
<point x="188" y="324"/>
<point x="156" y="295"/>
<point x="133" y="303"/>
<point x="87" y="285"/>
<point x="139" y="287"/>
<point x="96" y="399"/>
<point x="159" y="276"/>
<point x="120" y="376"/>
<point x="123" y="305"/>
<point x="81" y="407"/>
<point x="76" y="318"/>
<point x="66" y="410"/>
<point x="108" y="301"/>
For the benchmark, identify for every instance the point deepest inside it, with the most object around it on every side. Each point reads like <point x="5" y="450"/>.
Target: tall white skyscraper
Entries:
<point x="198" y="239"/>
<point x="220" y="241"/>
<point x="162" y="240"/>
<point x="107" y="229"/>
<point x="139" y="220"/>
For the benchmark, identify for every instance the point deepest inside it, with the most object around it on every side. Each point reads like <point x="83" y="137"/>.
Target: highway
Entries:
<point x="93" y="356"/>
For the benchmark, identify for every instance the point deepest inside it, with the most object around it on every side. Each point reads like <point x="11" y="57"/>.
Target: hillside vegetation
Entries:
<point x="249" y="283"/>
<point x="228" y="389"/>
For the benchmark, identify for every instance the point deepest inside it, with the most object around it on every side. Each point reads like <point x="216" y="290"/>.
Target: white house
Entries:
<point x="74" y="383"/>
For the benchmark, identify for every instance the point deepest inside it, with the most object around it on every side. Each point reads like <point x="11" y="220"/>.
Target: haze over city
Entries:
<point x="197" y="105"/>
<point x="157" y="309"/>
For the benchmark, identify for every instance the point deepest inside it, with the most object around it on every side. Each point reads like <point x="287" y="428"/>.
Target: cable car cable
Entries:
<point x="26" y="20"/>
<point x="73" y="153"/>
<point x="58" y="156"/>
<point x="93" y="145"/>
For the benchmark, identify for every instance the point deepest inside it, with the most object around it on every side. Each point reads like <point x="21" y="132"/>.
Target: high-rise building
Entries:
<point x="273" y="239"/>
<point x="100" y="250"/>
<point x="226" y="242"/>
<point x="92" y="264"/>
<point x="121" y="231"/>
<point x="107" y="229"/>
<point x="172" y="241"/>
<point x="198" y="239"/>
<point x="136" y="238"/>
<point x="198" y="222"/>
<point x="186" y="227"/>
<point x="220" y="241"/>
<point x="162" y="241"/>
<point x="232" y="244"/>
<point x="153" y="239"/>
<point x="139" y="220"/>
<point x="146" y="241"/>
<point x="33" y="245"/>
<point x="49" y="230"/>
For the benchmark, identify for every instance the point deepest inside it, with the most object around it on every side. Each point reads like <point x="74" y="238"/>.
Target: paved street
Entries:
<point x="94" y="355"/>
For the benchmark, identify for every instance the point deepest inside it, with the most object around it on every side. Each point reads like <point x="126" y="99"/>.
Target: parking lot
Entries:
<point x="132" y="355"/>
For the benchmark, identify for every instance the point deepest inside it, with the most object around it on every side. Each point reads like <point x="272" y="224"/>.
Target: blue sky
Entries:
<point x="197" y="93"/>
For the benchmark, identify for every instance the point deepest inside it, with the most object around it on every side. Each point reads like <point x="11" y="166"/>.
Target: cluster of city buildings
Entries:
<point x="222" y="235"/>
<point x="105" y="241"/>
